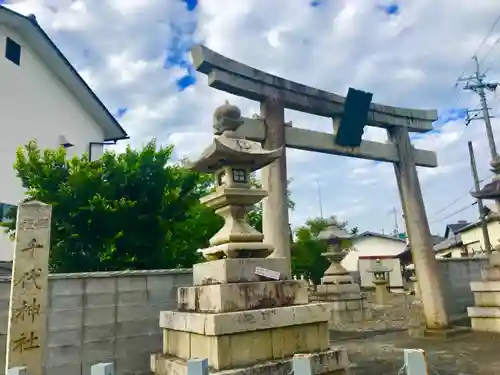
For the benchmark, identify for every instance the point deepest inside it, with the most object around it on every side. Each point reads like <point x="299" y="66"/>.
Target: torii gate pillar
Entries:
<point x="275" y="220"/>
<point x="417" y="226"/>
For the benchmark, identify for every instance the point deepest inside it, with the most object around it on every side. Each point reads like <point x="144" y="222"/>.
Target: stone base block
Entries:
<point x="244" y="321"/>
<point x="486" y="293"/>
<point x="416" y="321"/>
<point x="338" y="288"/>
<point x="341" y="317"/>
<point x="246" y="348"/>
<point x="219" y="298"/>
<point x="485" y="286"/>
<point x="484" y="319"/>
<point x="487" y="299"/>
<point x="234" y="270"/>
<point x="494" y="259"/>
<point x="491" y="273"/>
<point x="328" y="362"/>
<point x="334" y="279"/>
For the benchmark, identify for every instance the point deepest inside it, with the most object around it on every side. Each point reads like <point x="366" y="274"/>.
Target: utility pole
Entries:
<point x="396" y="226"/>
<point x="477" y="84"/>
<point x="482" y="213"/>
<point x="320" y="201"/>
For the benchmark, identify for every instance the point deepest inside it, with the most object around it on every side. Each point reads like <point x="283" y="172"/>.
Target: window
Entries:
<point x="4" y="209"/>
<point x="13" y="51"/>
<point x="239" y="175"/>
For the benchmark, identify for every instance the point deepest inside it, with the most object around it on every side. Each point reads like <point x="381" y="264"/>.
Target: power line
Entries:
<point x="449" y="204"/>
<point x="454" y="213"/>
<point x="490" y="50"/>
<point x="444" y="208"/>
<point x="480" y="46"/>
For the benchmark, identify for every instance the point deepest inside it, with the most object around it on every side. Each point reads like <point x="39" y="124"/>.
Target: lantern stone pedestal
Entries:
<point x="416" y="317"/>
<point x="242" y="313"/>
<point x="381" y="293"/>
<point x="485" y="315"/>
<point x="338" y="288"/>
<point x="337" y="285"/>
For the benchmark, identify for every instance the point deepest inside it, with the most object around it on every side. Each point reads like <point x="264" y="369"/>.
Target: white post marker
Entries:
<point x="302" y="364"/>
<point x="17" y="371"/>
<point x="197" y="366"/>
<point x="416" y="362"/>
<point x="102" y="369"/>
<point x="268" y="274"/>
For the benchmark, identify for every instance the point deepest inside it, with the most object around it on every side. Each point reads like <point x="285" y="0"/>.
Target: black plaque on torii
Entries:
<point x="354" y="119"/>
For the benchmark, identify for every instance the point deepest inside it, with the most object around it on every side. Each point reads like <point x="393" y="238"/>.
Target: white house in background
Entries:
<point x="368" y="247"/>
<point x="42" y="97"/>
<point x="452" y="246"/>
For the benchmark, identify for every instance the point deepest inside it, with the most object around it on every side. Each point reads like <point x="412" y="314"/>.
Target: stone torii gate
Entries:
<point x="275" y="94"/>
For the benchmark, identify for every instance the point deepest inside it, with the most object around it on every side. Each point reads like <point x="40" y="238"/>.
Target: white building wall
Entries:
<point x="34" y="104"/>
<point x="473" y="238"/>
<point x="371" y="246"/>
<point x="395" y="275"/>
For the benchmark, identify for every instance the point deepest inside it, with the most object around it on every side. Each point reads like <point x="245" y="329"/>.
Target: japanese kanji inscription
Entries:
<point x="28" y="297"/>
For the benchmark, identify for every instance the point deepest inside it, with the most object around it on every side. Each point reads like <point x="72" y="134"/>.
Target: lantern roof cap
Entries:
<point x="231" y="151"/>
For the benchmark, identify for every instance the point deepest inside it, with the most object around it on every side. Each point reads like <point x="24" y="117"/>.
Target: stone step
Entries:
<point x="484" y="319"/>
<point x="332" y="361"/>
<point x="219" y="298"/>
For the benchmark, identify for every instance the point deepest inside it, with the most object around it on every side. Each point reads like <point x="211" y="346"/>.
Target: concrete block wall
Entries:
<point x="457" y="275"/>
<point x="102" y="317"/>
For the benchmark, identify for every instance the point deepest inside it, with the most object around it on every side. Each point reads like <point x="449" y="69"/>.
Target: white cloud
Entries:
<point x="411" y="59"/>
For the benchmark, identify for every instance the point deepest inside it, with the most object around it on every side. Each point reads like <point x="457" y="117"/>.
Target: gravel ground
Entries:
<point x="382" y="354"/>
<point x="375" y="347"/>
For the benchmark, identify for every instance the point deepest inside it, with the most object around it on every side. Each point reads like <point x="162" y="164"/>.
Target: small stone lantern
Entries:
<point x="336" y="273"/>
<point x="380" y="279"/>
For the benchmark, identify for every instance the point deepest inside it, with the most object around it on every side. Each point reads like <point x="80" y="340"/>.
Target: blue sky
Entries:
<point x="135" y="55"/>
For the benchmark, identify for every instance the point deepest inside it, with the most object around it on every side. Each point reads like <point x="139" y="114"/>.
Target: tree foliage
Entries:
<point x="131" y="210"/>
<point x="136" y="210"/>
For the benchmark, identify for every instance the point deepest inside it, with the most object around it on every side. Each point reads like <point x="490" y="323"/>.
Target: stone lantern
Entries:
<point x="240" y="296"/>
<point x="484" y="316"/>
<point x="337" y="285"/>
<point x="232" y="160"/>
<point x="336" y="273"/>
<point x="380" y="279"/>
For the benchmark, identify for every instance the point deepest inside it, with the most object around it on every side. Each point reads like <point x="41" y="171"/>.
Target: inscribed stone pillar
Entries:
<point x="275" y="222"/>
<point x="28" y="296"/>
<point x="426" y="266"/>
